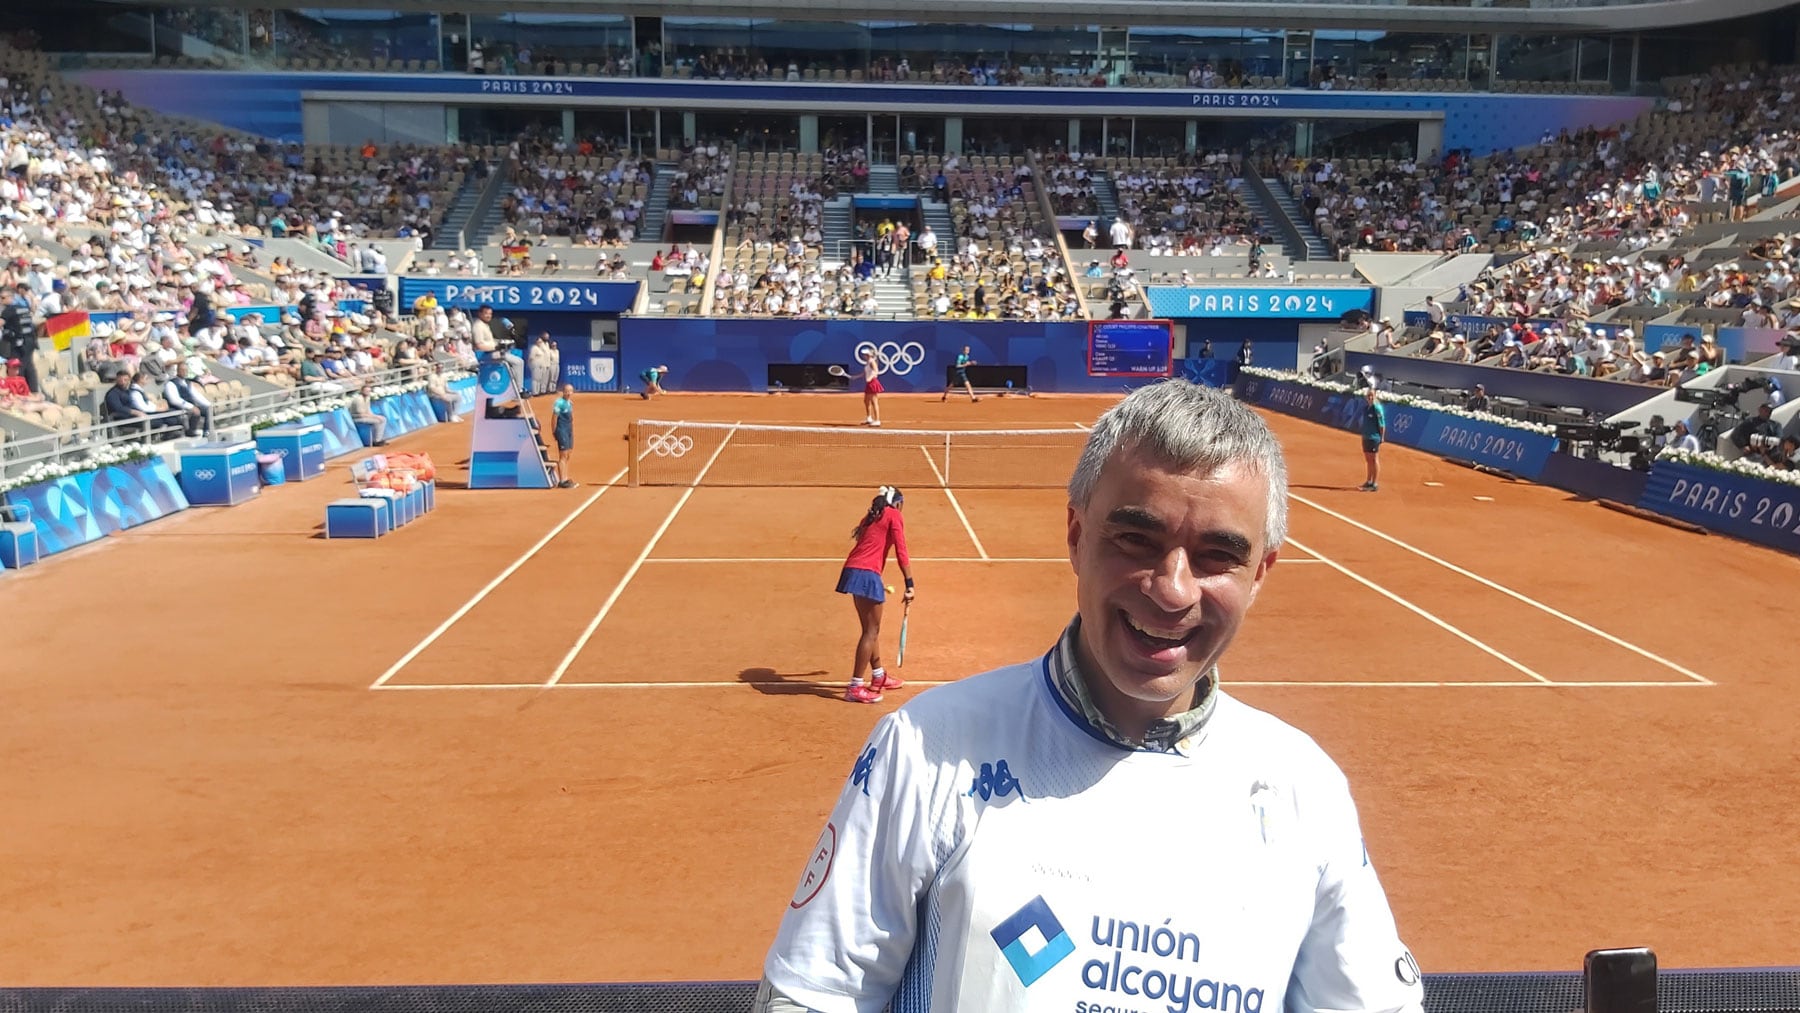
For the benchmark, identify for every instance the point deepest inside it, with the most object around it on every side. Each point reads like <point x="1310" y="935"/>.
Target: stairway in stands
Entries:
<point x="884" y="179"/>
<point x="1106" y="198"/>
<point x="656" y="206"/>
<point x="1286" y="206"/>
<point x="457" y="218"/>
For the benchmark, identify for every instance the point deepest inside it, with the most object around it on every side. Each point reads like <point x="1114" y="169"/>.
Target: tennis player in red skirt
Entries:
<point x="871" y="388"/>
<point x="881" y="528"/>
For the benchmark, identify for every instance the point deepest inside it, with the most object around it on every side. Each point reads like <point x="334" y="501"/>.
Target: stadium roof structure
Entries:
<point x="1477" y="16"/>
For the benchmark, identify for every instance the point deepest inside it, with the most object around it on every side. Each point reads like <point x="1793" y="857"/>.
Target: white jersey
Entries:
<point x="993" y="851"/>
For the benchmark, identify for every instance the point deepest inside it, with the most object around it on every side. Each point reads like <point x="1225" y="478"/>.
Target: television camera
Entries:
<point x="1596" y="436"/>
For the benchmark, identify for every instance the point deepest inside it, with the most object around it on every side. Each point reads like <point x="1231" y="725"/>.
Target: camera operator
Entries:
<point x="1760" y="424"/>
<point x="1786" y="456"/>
<point x="1683" y="439"/>
<point x="1478" y="401"/>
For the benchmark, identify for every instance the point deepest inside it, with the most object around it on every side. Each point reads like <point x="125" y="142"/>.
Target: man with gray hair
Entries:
<point x="1106" y="827"/>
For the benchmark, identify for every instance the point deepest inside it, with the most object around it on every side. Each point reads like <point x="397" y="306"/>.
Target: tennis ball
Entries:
<point x="890" y="589"/>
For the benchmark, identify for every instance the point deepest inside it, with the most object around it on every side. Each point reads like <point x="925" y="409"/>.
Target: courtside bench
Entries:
<point x="376" y="509"/>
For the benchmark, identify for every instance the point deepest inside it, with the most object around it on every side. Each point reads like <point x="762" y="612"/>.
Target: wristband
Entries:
<point x="909" y="583"/>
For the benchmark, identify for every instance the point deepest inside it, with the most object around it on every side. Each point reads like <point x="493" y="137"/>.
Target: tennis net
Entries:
<point x="728" y="454"/>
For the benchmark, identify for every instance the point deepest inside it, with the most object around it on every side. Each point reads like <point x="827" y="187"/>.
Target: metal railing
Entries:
<point x="18" y="455"/>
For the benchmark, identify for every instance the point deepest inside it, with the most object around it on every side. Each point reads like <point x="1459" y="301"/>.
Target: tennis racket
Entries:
<point x="836" y="371"/>
<point x="900" y="658"/>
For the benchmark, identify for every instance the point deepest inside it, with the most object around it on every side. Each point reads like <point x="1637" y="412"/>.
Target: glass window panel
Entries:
<point x="1536" y="57"/>
<point x="535" y="43"/>
<point x="211" y="26"/>
<point x="333" y="35"/>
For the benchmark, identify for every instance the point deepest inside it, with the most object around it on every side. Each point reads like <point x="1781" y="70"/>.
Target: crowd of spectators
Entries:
<point x="93" y="222"/>
<point x="1187" y="206"/>
<point x="1726" y="140"/>
<point x="591" y="197"/>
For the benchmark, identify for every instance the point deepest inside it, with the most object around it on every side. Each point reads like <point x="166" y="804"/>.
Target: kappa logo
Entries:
<point x="995" y="781"/>
<point x="865" y="765"/>
<point x="1032" y="940"/>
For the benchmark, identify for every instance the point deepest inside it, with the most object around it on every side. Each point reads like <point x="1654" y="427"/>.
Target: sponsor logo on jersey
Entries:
<point x="1132" y="967"/>
<point x="818" y="868"/>
<point x="994" y="781"/>
<point x="865" y="765"/>
<point x="1032" y="940"/>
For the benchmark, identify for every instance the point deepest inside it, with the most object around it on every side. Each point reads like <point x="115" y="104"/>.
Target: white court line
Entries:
<point x="1084" y="428"/>
<point x="970" y="528"/>
<point x="840" y="559"/>
<point x="1409" y="606"/>
<point x="455" y="617"/>
<point x="1509" y="592"/>
<point x="1229" y="684"/>
<point x="636" y="564"/>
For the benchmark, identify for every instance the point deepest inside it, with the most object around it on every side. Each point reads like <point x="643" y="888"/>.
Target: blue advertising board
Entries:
<point x="84" y="507"/>
<point x="1764" y="512"/>
<point x="337" y="432"/>
<point x="464" y="392"/>
<point x="598" y="373"/>
<point x="405" y="413"/>
<point x="516" y="294"/>
<point x="735" y="354"/>
<point x="300" y="447"/>
<point x="1130" y="348"/>
<point x="1273" y="301"/>
<point x="1740" y="344"/>
<point x="1491" y="444"/>
<point x="219" y="474"/>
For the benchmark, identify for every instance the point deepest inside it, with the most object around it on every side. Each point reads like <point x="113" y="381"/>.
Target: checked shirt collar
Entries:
<point x="1175" y="734"/>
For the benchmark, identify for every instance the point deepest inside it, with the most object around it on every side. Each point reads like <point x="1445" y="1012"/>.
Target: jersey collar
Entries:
<point x="1177" y="734"/>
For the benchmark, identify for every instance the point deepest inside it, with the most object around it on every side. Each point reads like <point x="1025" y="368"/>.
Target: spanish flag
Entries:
<point x="64" y="328"/>
<point x="517" y="252"/>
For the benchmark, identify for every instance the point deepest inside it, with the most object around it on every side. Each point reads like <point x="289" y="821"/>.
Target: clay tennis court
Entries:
<point x="589" y="734"/>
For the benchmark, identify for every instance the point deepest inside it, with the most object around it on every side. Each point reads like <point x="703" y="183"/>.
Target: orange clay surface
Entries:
<point x="199" y="786"/>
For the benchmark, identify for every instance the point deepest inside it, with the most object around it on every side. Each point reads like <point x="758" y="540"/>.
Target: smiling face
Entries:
<point x="1167" y="563"/>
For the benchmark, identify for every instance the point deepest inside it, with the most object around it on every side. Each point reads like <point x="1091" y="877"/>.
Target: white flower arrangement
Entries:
<point x="1410" y="401"/>
<point x="452" y="375"/>
<point x="1713" y="462"/>
<point x="326" y="404"/>
<point x="278" y="417"/>
<point x="97" y="458"/>
<point x="395" y="389"/>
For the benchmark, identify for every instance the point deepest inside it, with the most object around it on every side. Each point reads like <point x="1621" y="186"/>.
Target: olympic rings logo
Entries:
<point x="205" y="474"/>
<point x="892" y="356"/>
<point x="664" y="445"/>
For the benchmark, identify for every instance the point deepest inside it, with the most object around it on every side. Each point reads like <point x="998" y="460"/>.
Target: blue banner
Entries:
<point x="464" y="392"/>
<point x="598" y="373"/>
<point x="405" y="413"/>
<point x="81" y="508"/>
<point x="520" y="294"/>
<point x="1508" y="448"/>
<point x="1767" y="513"/>
<point x="735" y="354"/>
<point x="339" y="432"/>
<point x="1274" y="301"/>
<point x="1491" y="444"/>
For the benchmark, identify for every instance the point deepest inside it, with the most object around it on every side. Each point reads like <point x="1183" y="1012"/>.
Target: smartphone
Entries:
<point x="1621" y="981"/>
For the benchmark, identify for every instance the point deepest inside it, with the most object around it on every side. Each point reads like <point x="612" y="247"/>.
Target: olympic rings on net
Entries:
<point x="892" y="356"/>
<point x="664" y="445"/>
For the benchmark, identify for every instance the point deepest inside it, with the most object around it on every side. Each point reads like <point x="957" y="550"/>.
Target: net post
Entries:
<point x="633" y="458"/>
<point x="946" y="460"/>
